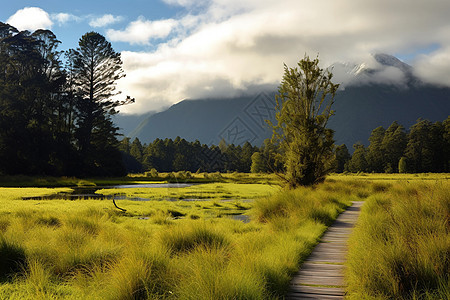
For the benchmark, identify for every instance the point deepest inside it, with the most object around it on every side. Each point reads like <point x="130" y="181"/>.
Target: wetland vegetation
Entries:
<point x="196" y="250"/>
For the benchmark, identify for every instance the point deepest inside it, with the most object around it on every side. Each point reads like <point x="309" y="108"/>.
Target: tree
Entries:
<point x="418" y="150"/>
<point x="342" y="157"/>
<point x="137" y="150"/>
<point x="246" y="157"/>
<point x="96" y="68"/>
<point x="403" y="165"/>
<point x="375" y="151"/>
<point x="393" y="145"/>
<point x="257" y="163"/>
<point x="33" y="139"/>
<point x="438" y="147"/>
<point x="427" y="148"/>
<point x="446" y="140"/>
<point x="304" y="102"/>
<point x="125" y="145"/>
<point x="358" y="163"/>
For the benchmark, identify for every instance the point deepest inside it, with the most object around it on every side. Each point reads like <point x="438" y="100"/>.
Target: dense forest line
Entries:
<point x="180" y="155"/>
<point x="424" y="148"/>
<point x="56" y="107"/>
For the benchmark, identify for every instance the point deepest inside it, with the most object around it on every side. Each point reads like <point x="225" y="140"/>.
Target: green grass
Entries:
<point x="215" y="191"/>
<point x="87" y="249"/>
<point x="400" y="247"/>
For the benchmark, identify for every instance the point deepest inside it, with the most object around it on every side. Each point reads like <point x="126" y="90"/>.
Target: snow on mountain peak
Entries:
<point x="392" y="61"/>
<point x="380" y="68"/>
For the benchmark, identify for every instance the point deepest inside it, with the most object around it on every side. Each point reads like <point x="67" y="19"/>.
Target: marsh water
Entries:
<point x="84" y="193"/>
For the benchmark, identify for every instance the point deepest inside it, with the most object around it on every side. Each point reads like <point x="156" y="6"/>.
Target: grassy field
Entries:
<point x="215" y="191"/>
<point x="161" y="249"/>
<point x="400" y="248"/>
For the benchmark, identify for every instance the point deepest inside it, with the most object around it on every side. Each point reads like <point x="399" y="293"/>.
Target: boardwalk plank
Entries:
<point x="319" y="280"/>
<point x="308" y="266"/>
<point x="317" y="290"/>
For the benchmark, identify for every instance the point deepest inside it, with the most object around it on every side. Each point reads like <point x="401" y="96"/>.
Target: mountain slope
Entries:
<point x="375" y="97"/>
<point x="204" y="119"/>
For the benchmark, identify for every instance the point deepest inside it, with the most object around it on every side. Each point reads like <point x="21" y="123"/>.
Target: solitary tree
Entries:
<point x="304" y="102"/>
<point x="97" y="67"/>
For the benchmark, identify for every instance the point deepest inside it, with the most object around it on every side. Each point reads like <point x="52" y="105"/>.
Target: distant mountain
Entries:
<point x="361" y="109"/>
<point x="129" y="123"/>
<point x="374" y="97"/>
<point x="208" y="120"/>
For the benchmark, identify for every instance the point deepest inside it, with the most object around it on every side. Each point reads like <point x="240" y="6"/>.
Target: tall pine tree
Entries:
<point x="97" y="67"/>
<point x="393" y="145"/>
<point x="375" y="152"/>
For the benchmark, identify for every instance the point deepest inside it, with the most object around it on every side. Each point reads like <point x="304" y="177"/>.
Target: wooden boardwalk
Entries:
<point x="321" y="275"/>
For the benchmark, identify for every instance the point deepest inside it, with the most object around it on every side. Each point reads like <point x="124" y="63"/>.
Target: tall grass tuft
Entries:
<point x="207" y="274"/>
<point x="191" y="235"/>
<point x="301" y="204"/>
<point x="38" y="279"/>
<point x="138" y="276"/>
<point x="400" y="247"/>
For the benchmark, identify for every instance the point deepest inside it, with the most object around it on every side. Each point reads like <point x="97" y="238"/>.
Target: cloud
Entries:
<point x="236" y="44"/>
<point x="142" y="31"/>
<point x="30" y="18"/>
<point x="435" y="67"/>
<point x="105" y="20"/>
<point x="64" y="18"/>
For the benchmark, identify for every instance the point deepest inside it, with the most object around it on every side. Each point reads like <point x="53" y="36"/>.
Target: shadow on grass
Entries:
<point x="12" y="259"/>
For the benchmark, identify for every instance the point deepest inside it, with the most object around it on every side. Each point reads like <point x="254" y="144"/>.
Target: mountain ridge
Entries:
<point x="371" y="100"/>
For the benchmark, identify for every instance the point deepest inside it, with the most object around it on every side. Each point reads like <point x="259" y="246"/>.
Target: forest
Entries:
<point x="425" y="147"/>
<point x="56" y="107"/>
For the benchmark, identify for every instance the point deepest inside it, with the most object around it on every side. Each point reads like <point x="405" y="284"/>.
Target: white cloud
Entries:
<point x="63" y="18"/>
<point x="142" y="31"/>
<point x="435" y="67"/>
<point x="235" y="44"/>
<point x="105" y="20"/>
<point x="30" y="18"/>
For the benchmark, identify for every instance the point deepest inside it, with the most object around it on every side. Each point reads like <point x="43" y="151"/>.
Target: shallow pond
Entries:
<point x="84" y="193"/>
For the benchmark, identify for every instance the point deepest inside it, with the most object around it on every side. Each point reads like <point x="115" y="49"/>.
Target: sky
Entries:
<point x="187" y="49"/>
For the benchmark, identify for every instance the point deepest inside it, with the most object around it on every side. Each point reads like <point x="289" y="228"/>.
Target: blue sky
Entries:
<point x="178" y="49"/>
<point x="71" y="31"/>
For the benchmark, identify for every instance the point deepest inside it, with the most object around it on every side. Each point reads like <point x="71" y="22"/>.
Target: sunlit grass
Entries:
<point x="400" y="247"/>
<point x="219" y="191"/>
<point x="87" y="249"/>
